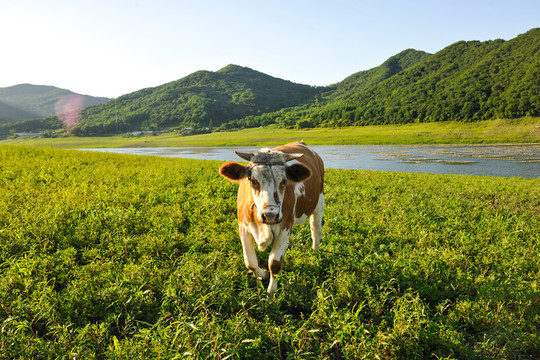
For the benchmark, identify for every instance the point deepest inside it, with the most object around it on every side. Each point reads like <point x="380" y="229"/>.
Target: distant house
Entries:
<point x="143" y="132"/>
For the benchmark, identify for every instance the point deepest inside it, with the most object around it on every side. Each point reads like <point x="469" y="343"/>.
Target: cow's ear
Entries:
<point x="297" y="172"/>
<point x="233" y="171"/>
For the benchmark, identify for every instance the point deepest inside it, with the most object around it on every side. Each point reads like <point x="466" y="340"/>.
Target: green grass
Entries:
<point x="111" y="256"/>
<point x="525" y="130"/>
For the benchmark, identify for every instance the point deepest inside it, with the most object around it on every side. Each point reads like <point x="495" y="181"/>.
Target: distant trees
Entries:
<point x="33" y="125"/>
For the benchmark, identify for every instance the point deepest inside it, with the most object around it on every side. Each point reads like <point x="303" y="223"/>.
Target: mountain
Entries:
<point x="26" y="101"/>
<point x="307" y="114"/>
<point x="466" y="81"/>
<point x="364" y="79"/>
<point x="201" y="99"/>
<point x="10" y="113"/>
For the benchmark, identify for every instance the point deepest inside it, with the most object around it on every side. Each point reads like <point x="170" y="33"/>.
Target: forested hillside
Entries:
<point x="10" y="113"/>
<point x="466" y="81"/>
<point x="26" y="101"/>
<point x="202" y="99"/>
<point x="363" y="80"/>
<point x="306" y="115"/>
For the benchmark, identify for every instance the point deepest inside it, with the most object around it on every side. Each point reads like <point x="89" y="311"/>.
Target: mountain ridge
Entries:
<point x="28" y="101"/>
<point x="465" y="81"/>
<point x="201" y="99"/>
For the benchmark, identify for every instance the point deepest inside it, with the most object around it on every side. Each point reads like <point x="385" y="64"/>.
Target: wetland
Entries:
<point x="522" y="160"/>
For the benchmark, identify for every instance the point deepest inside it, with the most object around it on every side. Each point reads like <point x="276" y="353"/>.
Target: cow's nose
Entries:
<point x="270" y="215"/>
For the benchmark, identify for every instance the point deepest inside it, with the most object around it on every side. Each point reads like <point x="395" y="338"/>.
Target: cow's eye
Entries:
<point x="283" y="182"/>
<point x="254" y="183"/>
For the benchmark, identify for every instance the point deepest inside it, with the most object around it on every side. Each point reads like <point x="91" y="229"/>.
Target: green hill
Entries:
<point x="26" y="101"/>
<point x="363" y="80"/>
<point x="10" y="113"/>
<point x="466" y="81"/>
<point x="202" y="99"/>
<point x="309" y="114"/>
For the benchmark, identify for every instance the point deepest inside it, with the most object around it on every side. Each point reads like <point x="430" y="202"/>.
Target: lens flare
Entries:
<point x="68" y="109"/>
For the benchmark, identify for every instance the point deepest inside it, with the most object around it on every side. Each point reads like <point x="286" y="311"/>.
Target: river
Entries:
<point x="491" y="160"/>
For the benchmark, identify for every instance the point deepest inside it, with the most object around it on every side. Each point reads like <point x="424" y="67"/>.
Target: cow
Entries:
<point x="278" y="189"/>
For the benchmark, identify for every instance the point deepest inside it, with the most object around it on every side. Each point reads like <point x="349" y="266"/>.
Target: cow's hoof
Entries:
<point x="263" y="275"/>
<point x="272" y="286"/>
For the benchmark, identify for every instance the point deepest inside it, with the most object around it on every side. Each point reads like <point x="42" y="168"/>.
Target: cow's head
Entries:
<point x="268" y="173"/>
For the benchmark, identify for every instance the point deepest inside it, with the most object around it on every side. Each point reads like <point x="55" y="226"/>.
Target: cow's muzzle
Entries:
<point x="270" y="215"/>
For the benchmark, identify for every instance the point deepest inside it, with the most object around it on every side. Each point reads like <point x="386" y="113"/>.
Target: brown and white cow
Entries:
<point x="279" y="188"/>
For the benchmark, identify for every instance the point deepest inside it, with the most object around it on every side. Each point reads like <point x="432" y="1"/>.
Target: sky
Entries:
<point x="113" y="47"/>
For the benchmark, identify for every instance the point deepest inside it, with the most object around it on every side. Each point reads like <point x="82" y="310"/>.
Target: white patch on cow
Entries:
<point x="250" y="257"/>
<point x="268" y="178"/>
<point x="302" y="219"/>
<point x="281" y="243"/>
<point x="263" y="234"/>
<point x="320" y="204"/>
<point x="299" y="190"/>
<point x="316" y="222"/>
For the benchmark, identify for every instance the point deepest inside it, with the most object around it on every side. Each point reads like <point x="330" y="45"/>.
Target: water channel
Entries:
<point x="490" y="160"/>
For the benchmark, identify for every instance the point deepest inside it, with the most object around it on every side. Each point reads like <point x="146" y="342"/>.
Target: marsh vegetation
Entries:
<point x="113" y="256"/>
<point x="523" y="130"/>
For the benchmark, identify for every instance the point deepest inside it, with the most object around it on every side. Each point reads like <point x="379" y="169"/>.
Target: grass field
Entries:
<point x="106" y="256"/>
<point x="526" y="130"/>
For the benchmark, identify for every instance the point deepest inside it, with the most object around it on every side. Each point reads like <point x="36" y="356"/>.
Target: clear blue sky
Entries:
<point x="110" y="48"/>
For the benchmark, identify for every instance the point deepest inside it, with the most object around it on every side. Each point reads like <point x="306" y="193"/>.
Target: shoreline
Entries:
<point x="500" y="132"/>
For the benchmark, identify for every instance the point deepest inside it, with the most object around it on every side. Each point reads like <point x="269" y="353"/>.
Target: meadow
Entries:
<point x="107" y="256"/>
<point x="523" y="130"/>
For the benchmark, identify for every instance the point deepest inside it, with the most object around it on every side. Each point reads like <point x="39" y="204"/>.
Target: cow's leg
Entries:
<point x="316" y="223"/>
<point x="275" y="260"/>
<point x="250" y="256"/>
